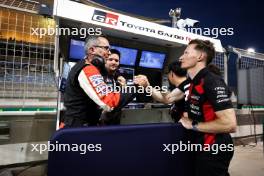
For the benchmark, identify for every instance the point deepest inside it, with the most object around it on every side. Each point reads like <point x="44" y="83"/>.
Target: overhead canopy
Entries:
<point x="126" y="25"/>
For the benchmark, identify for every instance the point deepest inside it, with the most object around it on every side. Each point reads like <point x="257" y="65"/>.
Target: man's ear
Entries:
<point x="91" y="50"/>
<point x="201" y="57"/>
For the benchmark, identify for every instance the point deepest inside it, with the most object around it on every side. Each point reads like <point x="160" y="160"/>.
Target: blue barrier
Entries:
<point x="125" y="150"/>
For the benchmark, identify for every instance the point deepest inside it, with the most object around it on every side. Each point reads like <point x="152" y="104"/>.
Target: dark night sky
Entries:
<point x="246" y="17"/>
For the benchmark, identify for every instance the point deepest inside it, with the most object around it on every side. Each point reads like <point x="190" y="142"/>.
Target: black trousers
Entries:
<point x="215" y="162"/>
<point x="208" y="164"/>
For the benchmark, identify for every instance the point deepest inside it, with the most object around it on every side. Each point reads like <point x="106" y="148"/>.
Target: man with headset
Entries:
<point x="86" y="93"/>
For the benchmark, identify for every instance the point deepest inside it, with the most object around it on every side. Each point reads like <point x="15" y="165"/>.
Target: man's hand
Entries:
<point x="141" y="80"/>
<point x="186" y="122"/>
<point x="121" y="80"/>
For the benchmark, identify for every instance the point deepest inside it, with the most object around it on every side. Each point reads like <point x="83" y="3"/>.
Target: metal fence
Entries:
<point x="220" y="60"/>
<point x="250" y="78"/>
<point x="26" y="60"/>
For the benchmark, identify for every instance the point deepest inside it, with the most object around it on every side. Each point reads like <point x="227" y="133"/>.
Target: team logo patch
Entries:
<point x="96" y="80"/>
<point x="105" y="17"/>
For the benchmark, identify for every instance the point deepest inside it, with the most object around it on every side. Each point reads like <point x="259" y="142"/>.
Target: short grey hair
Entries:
<point x="90" y="42"/>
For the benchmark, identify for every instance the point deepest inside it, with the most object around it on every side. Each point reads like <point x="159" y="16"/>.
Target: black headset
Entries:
<point x="99" y="62"/>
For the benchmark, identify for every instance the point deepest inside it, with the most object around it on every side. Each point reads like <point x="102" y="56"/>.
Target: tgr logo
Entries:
<point x="105" y="17"/>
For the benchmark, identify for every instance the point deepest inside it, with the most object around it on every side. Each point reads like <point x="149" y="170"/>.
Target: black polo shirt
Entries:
<point x="208" y="94"/>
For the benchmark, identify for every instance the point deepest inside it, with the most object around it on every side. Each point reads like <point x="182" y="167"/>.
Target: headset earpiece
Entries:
<point x="99" y="62"/>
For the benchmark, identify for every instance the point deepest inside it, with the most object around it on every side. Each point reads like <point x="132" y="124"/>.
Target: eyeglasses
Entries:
<point x="103" y="47"/>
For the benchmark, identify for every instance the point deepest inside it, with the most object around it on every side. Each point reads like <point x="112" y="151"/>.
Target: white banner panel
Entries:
<point x="86" y="14"/>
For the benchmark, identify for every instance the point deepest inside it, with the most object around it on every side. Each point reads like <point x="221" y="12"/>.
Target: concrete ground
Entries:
<point x="248" y="160"/>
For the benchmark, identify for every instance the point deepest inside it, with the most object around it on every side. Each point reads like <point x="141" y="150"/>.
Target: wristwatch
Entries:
<point x="194" y="125"/>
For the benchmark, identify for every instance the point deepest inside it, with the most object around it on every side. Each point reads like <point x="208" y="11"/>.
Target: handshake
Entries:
<point x="141" y="80"/>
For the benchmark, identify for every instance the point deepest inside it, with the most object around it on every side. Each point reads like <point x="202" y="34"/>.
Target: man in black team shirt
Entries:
<point x="210" y="112"/>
